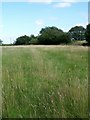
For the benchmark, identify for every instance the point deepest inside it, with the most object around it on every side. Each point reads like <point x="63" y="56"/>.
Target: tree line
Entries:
<point x="54" y="36"/>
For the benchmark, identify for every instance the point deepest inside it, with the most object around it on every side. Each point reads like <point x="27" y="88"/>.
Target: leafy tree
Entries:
<point x="50" y="28"/>
<point x="22" y="40"/>
<point x="32" y="36"/>
<point x="33" y="40"/>
<point x="87" y="34"/>
<point x="77" y="33"/>
<point x="52" y="35"/>
<point x="1" y="42"/>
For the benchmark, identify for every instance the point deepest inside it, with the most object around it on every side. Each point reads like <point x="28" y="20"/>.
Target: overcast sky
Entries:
<point x="28" y="17"/>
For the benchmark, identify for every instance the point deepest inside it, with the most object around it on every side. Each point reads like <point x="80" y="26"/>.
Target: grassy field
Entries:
<point x="45" y="82"/>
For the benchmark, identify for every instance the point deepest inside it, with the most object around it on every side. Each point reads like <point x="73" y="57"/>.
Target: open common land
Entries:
<point x="45" y="81"/>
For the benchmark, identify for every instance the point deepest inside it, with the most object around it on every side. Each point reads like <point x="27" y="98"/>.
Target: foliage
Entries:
<point x="79" y="43"/>
<point x="1" y="42"/>
<point x="22" y="40"/>
<point x="34" y="40"/>
<point x="77" y="33"/>
<point x="52" y="35"/>
<point x="88" y="34"/>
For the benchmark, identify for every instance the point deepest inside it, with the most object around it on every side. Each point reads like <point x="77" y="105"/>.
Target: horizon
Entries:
<point x="26" y="18"/>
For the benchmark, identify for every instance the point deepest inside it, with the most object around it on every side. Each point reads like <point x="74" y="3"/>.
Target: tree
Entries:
<point x="50" y="28"/>
<point x="22" y="40"/>
<point x="33" y="40"/>
<point x="1" y="42"/>
<point x="52" y="35"/>
<point x="77" y="33"/>
<point x="87" y="34"/>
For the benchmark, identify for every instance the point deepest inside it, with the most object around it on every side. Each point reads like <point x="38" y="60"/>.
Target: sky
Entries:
<point x="27" y="17"/>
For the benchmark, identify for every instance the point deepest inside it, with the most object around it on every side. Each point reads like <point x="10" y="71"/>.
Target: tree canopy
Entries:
<point x="1" y="42"/>
<point x="77" y="33"/>
<point x="88" y="34"/>
<point x="52" y="35"/>
<point x="22" y="40"/>
<point x="33" y="40"/>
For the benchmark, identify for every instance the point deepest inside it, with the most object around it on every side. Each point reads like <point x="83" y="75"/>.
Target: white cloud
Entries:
<point x="65" y="3"/>
<point x="62" y="5"/>
<point x="39" y="22"/>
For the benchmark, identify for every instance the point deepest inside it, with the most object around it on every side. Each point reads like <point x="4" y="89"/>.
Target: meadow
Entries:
<point x="45" y="82"/>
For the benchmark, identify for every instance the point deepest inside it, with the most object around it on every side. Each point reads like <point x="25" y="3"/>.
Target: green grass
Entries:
<point x="45" y="82"/>
<point x="0" y="81"/>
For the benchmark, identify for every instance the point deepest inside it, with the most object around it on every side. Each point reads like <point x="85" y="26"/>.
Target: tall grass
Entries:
<point x="45" y="82"/>
<point x="0" y="82"/>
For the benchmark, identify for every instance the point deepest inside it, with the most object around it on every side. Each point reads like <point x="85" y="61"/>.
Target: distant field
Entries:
<point x="45" y="82"/>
